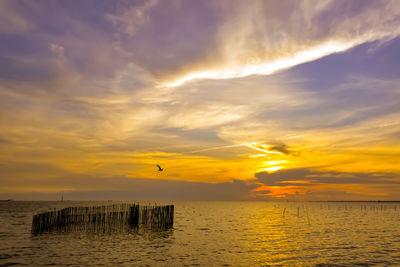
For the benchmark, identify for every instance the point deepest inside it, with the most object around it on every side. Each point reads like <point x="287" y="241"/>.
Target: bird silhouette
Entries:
<point x="159" y="168"/>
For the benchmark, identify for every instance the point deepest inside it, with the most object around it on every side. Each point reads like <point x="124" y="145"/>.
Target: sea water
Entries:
<point x="217" y="234"/>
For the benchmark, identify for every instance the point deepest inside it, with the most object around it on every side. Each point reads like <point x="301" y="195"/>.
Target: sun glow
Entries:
<point x="258" y="155"/>
<point x="272" y="169"/>
<point x="275" y="162"/>
<point x="256" y="146"/>
<point x="273" y="165"/>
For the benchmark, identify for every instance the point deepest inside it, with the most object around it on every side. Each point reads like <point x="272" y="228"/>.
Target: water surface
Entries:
<point x="217" y="234"/>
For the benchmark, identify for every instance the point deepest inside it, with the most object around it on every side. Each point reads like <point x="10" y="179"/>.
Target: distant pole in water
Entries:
<point x="159" y="168"/>
<point x="284" y="210"/>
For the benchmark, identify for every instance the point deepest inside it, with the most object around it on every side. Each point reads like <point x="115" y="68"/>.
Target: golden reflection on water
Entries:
<point x="311" y="233"/>
<point x="266" y="236"/>
<point x="300" y="234"/>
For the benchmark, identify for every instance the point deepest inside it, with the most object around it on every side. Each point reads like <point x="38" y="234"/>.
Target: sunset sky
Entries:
<point x="236" y="100"/>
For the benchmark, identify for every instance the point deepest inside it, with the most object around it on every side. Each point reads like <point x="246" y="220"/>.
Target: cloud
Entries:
<point x="79" y="93"/>
<point x="269" y="36"/>
<point x="282" y="148"/>
<point x="129" y="19"/>
<point x="122" y="188"/>
<point x="57" y="50"/>
<point x="206" y="115"/>
<point x="11" y="21"/>
<point x="308" y="177"/>
<point x="311" y="184"/>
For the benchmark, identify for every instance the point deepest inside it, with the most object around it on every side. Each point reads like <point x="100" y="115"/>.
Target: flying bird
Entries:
<point x="159" y="168"/>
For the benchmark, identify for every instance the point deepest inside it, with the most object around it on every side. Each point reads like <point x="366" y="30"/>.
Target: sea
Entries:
<point x="216" y="234"/>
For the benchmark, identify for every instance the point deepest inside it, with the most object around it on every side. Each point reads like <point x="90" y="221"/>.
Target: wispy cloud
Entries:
<point x="129" y="19"/>
<point x="267" y="37"/>
<point x="11" y="21"/>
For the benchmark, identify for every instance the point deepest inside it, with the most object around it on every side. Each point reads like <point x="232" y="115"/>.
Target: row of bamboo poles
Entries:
<point x="112" y="218"/>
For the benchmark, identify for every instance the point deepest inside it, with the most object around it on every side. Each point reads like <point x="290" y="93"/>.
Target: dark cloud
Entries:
<point x="280" y="148"/>
<point x="262" y="192"/>
<point x="88" y="187"/>
<point x="4" y="141"/>
<point x="290" y="177"/>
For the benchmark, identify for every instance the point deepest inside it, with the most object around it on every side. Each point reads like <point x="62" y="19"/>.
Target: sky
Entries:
<point x="267" y="100"/>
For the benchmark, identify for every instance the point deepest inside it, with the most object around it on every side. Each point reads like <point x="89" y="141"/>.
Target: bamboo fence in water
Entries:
<point x="112" y="218"/>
